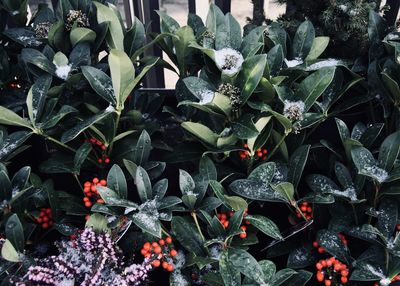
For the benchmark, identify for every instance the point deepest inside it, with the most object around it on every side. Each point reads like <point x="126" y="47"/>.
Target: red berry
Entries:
<point x="173" y="253"/>
<point x="107" y="160"/>
<point x="243" y="235"/>
<point x="157" y="250"/>
<point x="344" y="280"/>
<point x="168" y="240"/>
<point x="143" y="251"/>
<point x="45" y="225"/>
<point x="156" y="263"/>
<point x="170" y="268"/>
<point x="328" y="282"/>
<point x="320" y="276"/>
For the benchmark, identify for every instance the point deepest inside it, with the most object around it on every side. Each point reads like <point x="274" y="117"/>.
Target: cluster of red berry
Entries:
<point x="224" y="219"/>
<point x="104" y="158"/>
<point x="261" y="153"/>
<point x="306" y="210"/>
<point x="322" y="250"/>
<point x="398" y="227"/>
<point x="45" y="218"/>
<point x="396" y="278"/>
<point x="331" y="269"/>
<point x="91" y="193"/>
<point x="159" y="253"/>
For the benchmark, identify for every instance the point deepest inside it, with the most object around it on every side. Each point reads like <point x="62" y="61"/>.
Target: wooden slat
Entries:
<point x="224" y="5"/>
<point x="393" y="12"/>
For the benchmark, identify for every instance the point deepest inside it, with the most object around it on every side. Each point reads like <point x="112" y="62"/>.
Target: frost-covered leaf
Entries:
<point x="387" y="217"/>
<point x="263" y="173"/>
<point x="246" y="264"/>
<point x="143" y="184"/>
<point x="265" y="225"/>
<point x="186" y="233"/>
<point x="148" y="223"/>
<point x="389" y="151"/>
<point x="301" y="257"/>
<point x="332" y="244"/>
<point x="244" y="127"/>
<point x="229" y="273"/>
<point x="12" y="142"/>
<point x="117" y="182"/>
<point x="255" y="190"/>
<point x="282" y="276"/>
<point x="366" y="164"/>
<point x="100" y="82"/>
<point x="303" y="40"/>
<point x="35" y="101"/>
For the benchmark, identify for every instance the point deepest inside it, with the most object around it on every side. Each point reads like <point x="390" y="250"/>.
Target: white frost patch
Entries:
<point x="323" y="64"/>
<point x="180" y="260"/>
<point x="205" y="96"/>
<point x="179" y="279"/>
<point x="385" y="281"/>
<point x="63" y="71"/>
<point x="110" y="108"/>
<point x="343" y="7"/>
<point x="293" y="109"/>
<point x="378" y="173"/>
<point x="392" y="37"/>
<point x="377" y="272"/>
<point x="229" y="61"/>
<point x="294" y="62"/>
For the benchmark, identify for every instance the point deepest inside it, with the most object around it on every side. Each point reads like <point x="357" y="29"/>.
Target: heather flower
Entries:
<point x="232" y="92"/>
<point x="229" y="61"/>
<point x="89" y="258"/>
<point x="78" y="17"/>
<point x="293" y="110"/>
<point x="42" y="30"/>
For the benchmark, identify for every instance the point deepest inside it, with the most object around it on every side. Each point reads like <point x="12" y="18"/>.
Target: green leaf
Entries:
<point x="186" y="183"/>
<point x="81" y="155"/>
<point x="282" y="276"/>
<point x="184" y="37"/>
<point x="142" y="150"/>
<point x="332" y="244"/>
<point x="82" y="35"/>
<point x="366" y="164"/>
<point x="100" y="82"/>
<point x="376" y="27"/>
<point x="275" y="59"/>
<point x="229" y="273"/>
<point x="36" y="58"/>
<point x="318" y="47"/>
<point x="263" y="173"/>
<point x="36" y="98"/>
<point x="12" y="142"/>
<point x="117" y="182"/>
<point x="255" y="190"/>
<point x="200" y="131"/>
<point x="8" y="117"/>
<point x="250" y="75"/>
<point x="115" y="33"/>
<point x="122" y="74"/>
<point x="143" y="184"/>
<point x="229" y="34"/>
<point x="215" y="18"/>
<point x="387" y="217"/>
<point x="286" y="190"/>
<point x="246" y="264"/>
<point x="236" y="203"/>
<point x="20" y="179"/>
<point x="82" y="126"/>
<point x="265" y="225"/>
<point x="301" y="257"/>
<point x="234" y="223"/>
<point x="187" y="235"/>
<point x="244" y="127"/>
<point x="98" y="222"/>
<point x="313" y="86"/>
<point x="133" y="82"/>
<point x="9" y="253"/>
<point x="15" y="232"/>
<point x="54" y="119"/>
<point x="296" y="164"/>
<point x="207" y="168"/>
<point x="148" y="223"/>
<point x="303" y="40"/>
<point x="389" y="151"/>
<point x="299" y="279"/>
<point x="134" y="37"/>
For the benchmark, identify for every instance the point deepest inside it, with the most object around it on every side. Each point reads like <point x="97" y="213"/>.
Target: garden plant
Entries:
<point x="275" y="163"/>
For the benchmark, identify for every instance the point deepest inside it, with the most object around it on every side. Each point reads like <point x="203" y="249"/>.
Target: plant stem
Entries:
<point x="375" y="200"/>
<point x="355" y="214"/>
<point x="115" y="131"/>
<point x="197" y="225"/>
<point x="164" y="231"/>
<point x="77" y="180"/>
<point x="277" y="146"/>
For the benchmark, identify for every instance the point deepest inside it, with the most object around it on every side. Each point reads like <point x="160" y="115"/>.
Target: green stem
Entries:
<point x="277" y="146"/>
<point x="77" y="180"/>
<point x="375" y="200"/>
<point x="115" y="130"/>
<point x="355" y="214"/>
<point x="164" y="231"/>
<point x="197" y="225"/>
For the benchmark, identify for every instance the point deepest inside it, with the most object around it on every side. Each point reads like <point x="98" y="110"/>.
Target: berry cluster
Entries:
<point x="306" y="210"/>
<point x="332" y="271"/>
<point x="91" y="193"/>
<point x="104" y="158"/>
<point x="224" y="219"/>
<point x="45" y="218"/>
<point x="160" y="253"/>
<point x="398" y="227"/>
<point x="261" y="153"/>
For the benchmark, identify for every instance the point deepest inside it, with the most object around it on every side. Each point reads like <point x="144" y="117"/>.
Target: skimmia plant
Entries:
<point x="274" y="164"/>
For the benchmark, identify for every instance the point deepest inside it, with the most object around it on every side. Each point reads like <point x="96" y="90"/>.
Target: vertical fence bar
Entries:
<point x="393" y="12"/>
<point x="146" y="12"/>
<point x="128" y="15"/>
<point x="192" y="6"/>
<point x="224" y="5"/>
